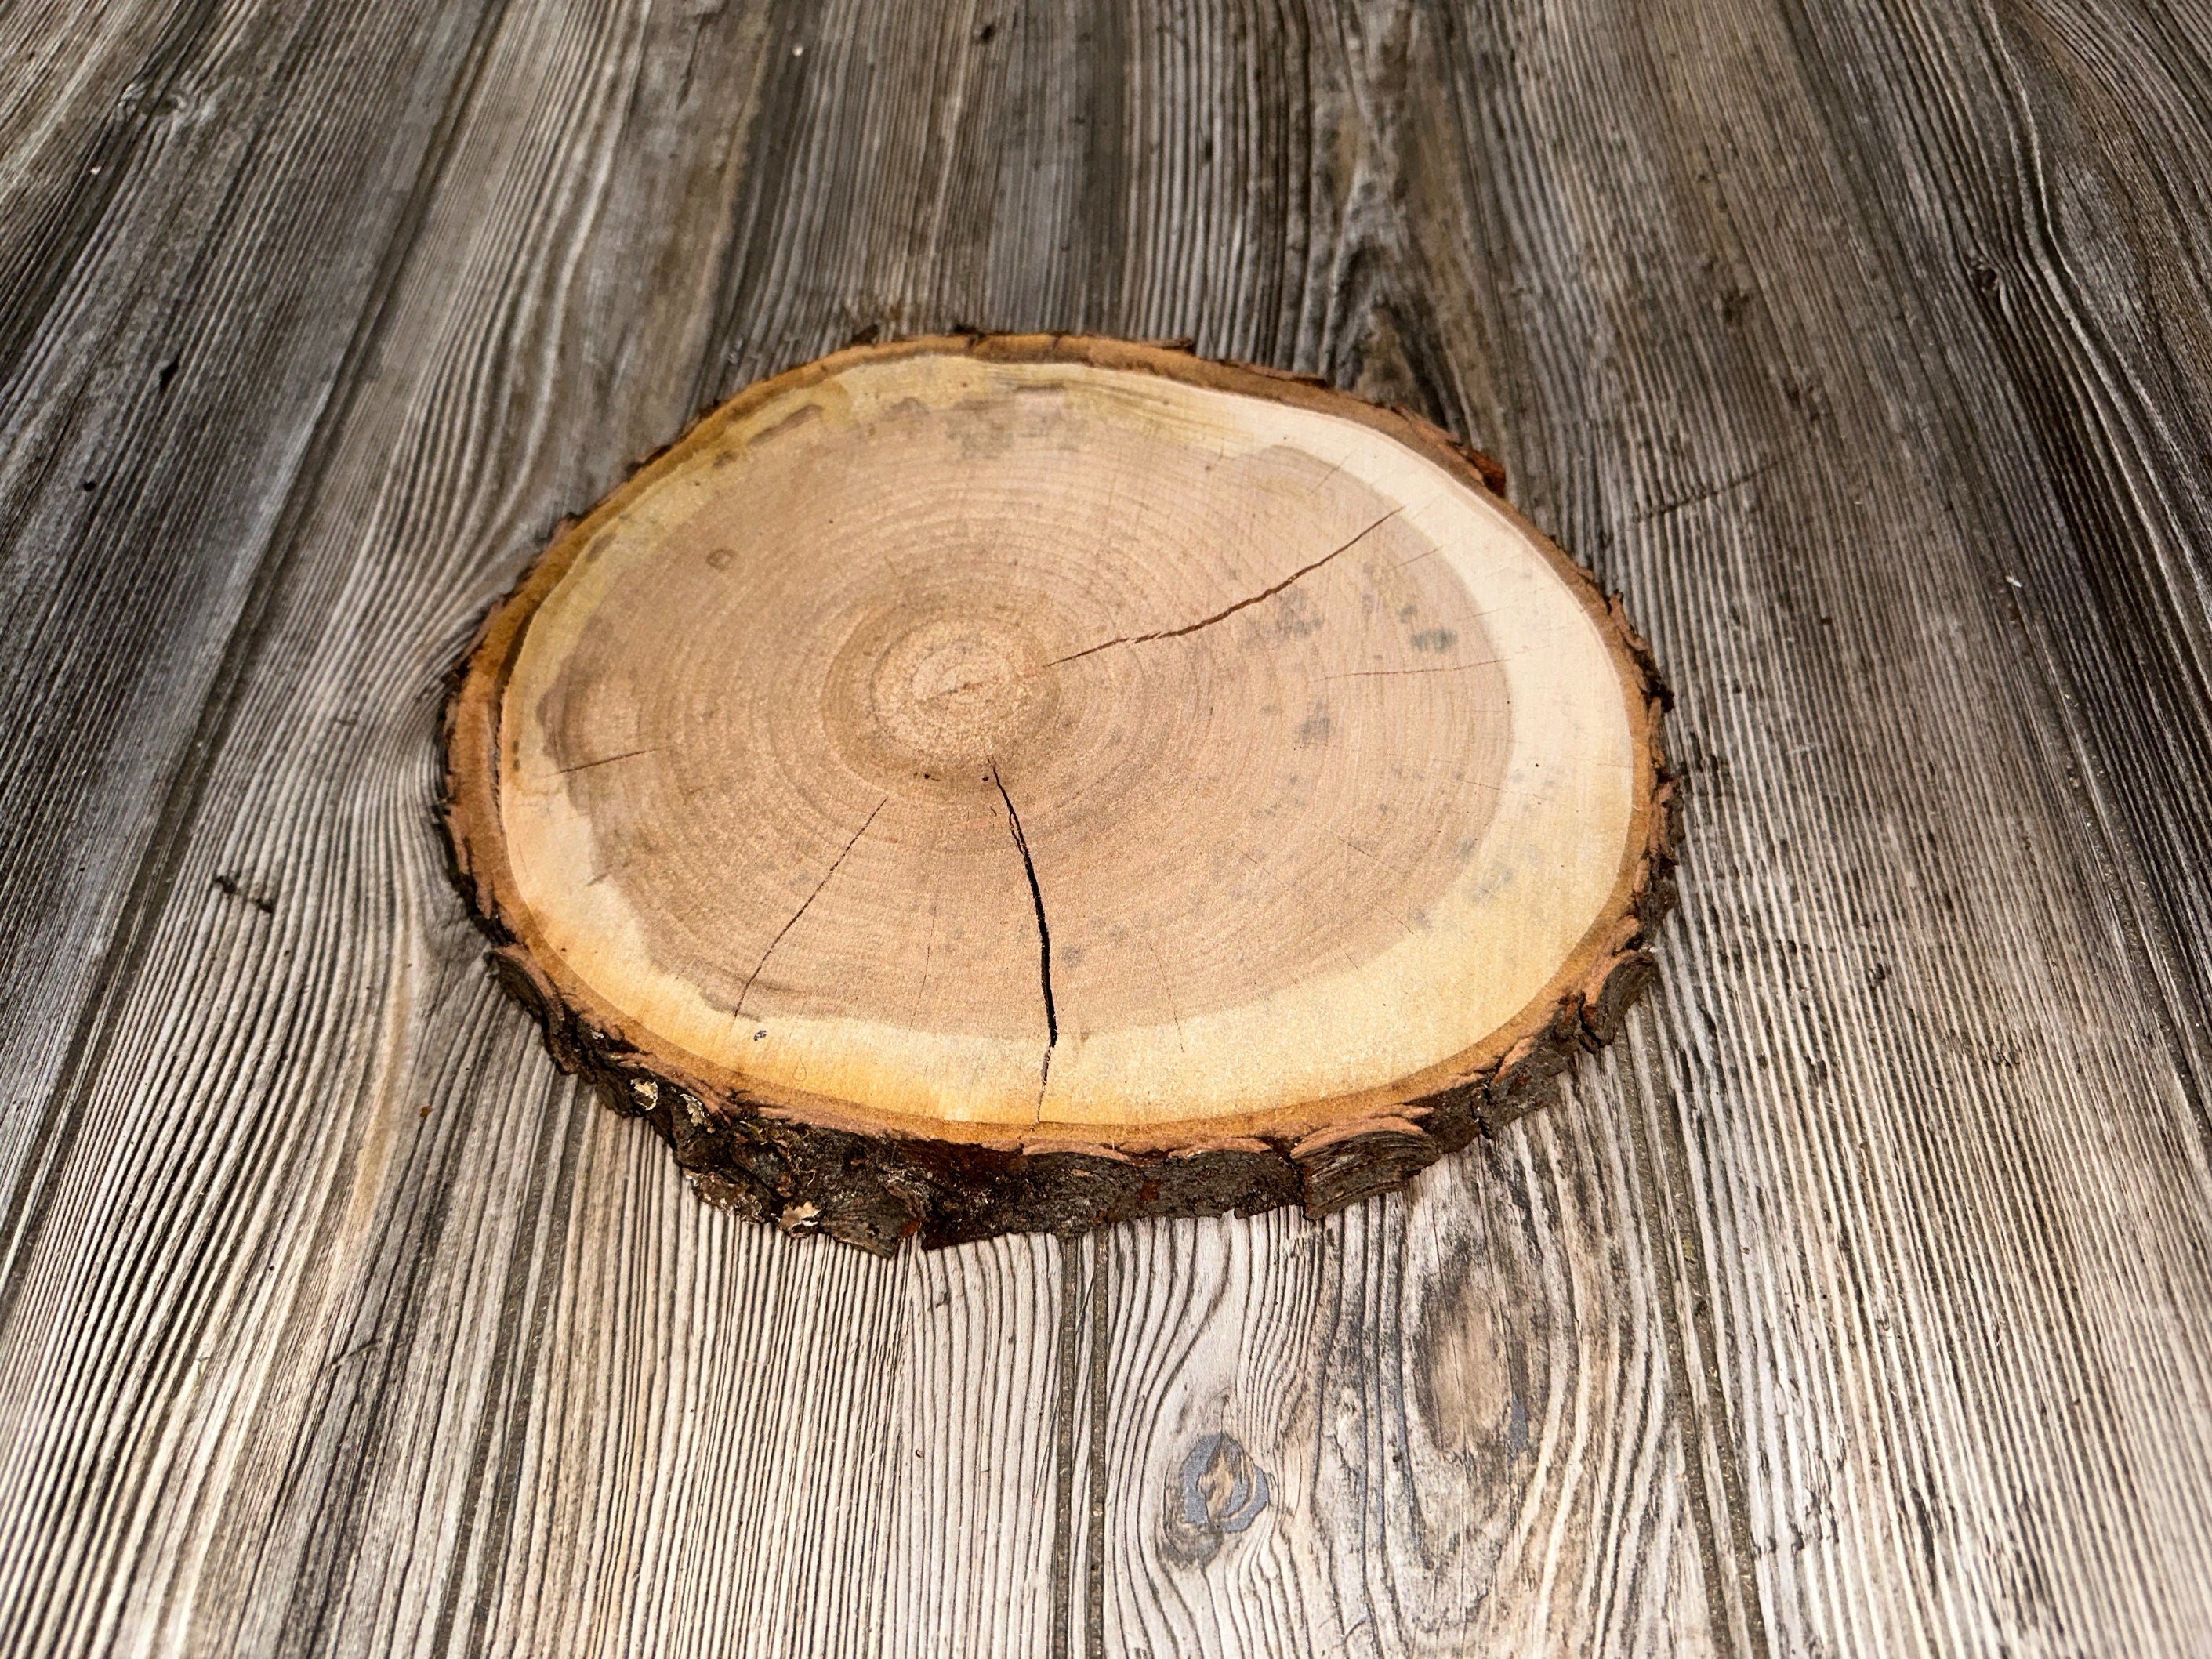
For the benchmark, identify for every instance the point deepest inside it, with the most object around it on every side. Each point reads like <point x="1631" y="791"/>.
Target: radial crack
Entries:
<point x="1044" y="932"/>
<point x="806" y="904"/>
<point x="1265" y="593"/>
<point x="604" y="760"/>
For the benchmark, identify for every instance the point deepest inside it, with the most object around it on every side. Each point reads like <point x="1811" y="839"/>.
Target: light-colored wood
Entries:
<point x="1066" y="748"/>
<point x="1856" y="1302"/>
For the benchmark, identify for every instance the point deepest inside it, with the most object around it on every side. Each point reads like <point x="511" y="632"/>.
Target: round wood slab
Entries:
<point x="989" y="783"/>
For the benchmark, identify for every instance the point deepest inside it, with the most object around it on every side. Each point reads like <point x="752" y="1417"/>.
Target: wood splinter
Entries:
<point x="1022" y="781"/>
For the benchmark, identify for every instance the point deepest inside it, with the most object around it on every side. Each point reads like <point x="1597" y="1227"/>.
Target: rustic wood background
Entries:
<point x="1859" y="1303"/>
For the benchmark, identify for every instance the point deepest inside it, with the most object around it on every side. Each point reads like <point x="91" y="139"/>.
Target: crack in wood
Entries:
<point x="606" y="760"/>
<point x="1708" y="492"/>
<point x="1227" y="611"/>
<point x="1394" y="673"/>
<point x="804" y="905"/>
<point x="1044" y="936"/>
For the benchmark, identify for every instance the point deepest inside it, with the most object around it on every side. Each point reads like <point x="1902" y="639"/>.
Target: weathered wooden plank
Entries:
<point x="193" y="233"/>
<point x="1858" y="1306"/>
<point x="221" y="1170"/>
<point x="439" y="1368"/>
<point x="89" y="91"/>
<point x="1471" y="1439"/>
<point x="1849" y="353"/>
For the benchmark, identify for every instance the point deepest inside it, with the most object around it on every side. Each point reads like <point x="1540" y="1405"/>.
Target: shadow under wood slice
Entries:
<point x="1007" y="782"/>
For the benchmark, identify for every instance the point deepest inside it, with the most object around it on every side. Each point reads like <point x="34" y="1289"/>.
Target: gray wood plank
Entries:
<point x="350" y="1377"/>
<point x="347" y="1372"/>
<point x="1856" y="1304"/>
<point x="1858" y="353"/>
<point x="194" y="230"/>
<point x="1472" y="1441"/>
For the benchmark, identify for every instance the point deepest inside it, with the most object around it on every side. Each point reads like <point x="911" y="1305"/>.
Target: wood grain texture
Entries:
<point x="1857" y="1304"/>
<point x="191" y="291"/>
<point x="891" y="581"/>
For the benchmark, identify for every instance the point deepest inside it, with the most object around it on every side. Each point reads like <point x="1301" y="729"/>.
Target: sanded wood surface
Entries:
<point x="1858" y="1301"/>
<point x="1346" y="786"/>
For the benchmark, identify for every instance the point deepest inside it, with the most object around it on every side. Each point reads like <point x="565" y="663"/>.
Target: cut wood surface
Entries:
<point x="1344" y="781"/>
<point x="1858" y="1300"/>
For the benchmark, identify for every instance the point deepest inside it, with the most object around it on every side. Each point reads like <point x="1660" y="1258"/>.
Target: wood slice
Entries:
<point x="977" y="784"/>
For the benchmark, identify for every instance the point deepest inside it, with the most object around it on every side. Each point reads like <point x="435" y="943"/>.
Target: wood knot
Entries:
<point x="1218" y="1490"/>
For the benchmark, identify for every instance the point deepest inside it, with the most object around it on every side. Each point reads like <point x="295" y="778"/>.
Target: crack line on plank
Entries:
<point x="1708" y="492"/>
<point x="804" y="905"/>
<point x="1241" y="604"/>
<point x="1044" y="937"/>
